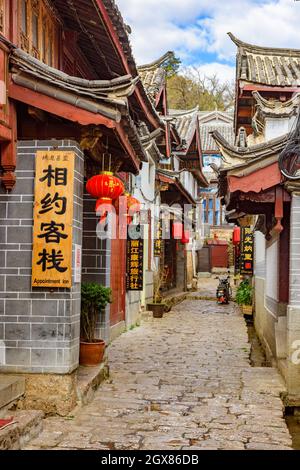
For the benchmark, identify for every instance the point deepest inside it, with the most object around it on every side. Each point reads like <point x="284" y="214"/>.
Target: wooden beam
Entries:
<point x="123" y="137"/>
<point x="56" y="107"/>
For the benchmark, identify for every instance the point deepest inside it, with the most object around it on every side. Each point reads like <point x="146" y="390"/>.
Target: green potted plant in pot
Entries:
<point x="244" y="297"/>
<point x="94" y="299"/>
<point x="157" y="306"/>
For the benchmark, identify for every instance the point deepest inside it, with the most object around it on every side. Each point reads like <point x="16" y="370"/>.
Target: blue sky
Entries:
<point x="197" y="29"/>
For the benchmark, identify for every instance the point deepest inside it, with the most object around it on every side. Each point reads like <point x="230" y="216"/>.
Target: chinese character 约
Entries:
<point x="59" y="175"/>
<point x="48" y="201"/>
<point x="51" y="260"/>
<point x="52" y="233"/>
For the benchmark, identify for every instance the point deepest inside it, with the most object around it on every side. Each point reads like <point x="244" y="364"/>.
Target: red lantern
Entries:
<point x="131" y="202"/>
<point x="236" y="239"/>
<point x="177" y="230"/>
<point x="185" y="240"/>
<point x="105" y="187"/>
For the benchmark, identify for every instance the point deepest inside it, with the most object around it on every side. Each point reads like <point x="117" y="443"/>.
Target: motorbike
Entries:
<point x="224" y="291"/>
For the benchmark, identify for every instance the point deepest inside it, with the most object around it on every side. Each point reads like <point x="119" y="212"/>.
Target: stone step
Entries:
<point x="27" y="425"/>
<point x="146" y="315"/>
<point x="11" y="388"/>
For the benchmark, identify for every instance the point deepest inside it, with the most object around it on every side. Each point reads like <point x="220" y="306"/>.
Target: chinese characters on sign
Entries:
<point x="247" y="248"/>
<point x="135" y="264"/>
<point x="53" y="216"/>
<point x="158" y="241"/>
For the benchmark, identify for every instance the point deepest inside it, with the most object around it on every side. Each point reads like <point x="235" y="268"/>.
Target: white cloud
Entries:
<point x="199" y="27"/>
<point x="226" y="73"/>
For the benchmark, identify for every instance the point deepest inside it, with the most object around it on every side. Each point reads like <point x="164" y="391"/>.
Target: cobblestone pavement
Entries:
<point x="183" y="382"/>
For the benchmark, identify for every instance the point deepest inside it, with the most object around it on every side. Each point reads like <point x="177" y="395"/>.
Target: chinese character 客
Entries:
<point x="52" y="233"/>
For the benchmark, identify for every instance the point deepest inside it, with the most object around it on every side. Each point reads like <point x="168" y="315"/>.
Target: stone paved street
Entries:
<point x="183" y="382"/>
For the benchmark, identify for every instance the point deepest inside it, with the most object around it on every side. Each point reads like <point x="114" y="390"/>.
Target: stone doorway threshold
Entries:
<point x="89" y="380"/>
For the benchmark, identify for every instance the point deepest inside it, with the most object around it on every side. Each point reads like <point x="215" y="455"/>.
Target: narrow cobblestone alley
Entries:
<point x="183" y="382"/>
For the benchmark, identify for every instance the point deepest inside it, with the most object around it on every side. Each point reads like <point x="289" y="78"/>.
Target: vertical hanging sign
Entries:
<point x="158" y="242"/>
<point x="247" y="251"/>
<point x="53" y="217"/>
<point x="135" y="264"/>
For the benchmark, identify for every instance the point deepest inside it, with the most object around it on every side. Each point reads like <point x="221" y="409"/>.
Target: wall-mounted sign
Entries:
<point x="247" y="251"/>
<point x="135" y="264"/>
<point x="53" y="217"/>
<point x="158" y="241"/>
<point x="78" y="264"/>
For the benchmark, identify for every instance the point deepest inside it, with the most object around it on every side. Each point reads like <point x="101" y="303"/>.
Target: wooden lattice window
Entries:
<point x="2" y="16"/>
<point x="38" y="29"/>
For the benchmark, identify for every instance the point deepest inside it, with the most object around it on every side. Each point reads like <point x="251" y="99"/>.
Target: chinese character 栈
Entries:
<point x="51" y="260"/>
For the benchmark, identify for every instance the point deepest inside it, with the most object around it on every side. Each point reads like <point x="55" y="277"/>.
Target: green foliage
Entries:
<point x="189" y="89"/>
<point x="244" y="293"/>
<point x="94" y="299"/>
<point x="172" y="65"/>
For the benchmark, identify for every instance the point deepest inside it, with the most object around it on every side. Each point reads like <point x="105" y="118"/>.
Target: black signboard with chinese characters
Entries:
<point x="53" y="218"/>
<point x="135" y="264"/>
<point x="247" y="251"/>
<point x="158" y="241"/>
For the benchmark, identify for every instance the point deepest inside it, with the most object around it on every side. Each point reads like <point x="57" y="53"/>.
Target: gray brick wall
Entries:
<point x="295" y="252"/>
<point x="96" y="255"/>
<point x="40" y="327"/>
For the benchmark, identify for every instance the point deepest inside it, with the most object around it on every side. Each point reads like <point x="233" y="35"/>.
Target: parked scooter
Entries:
<point x="224" y="291"/>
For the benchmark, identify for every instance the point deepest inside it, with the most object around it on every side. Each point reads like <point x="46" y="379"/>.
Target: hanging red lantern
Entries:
<point x="236" y="238"/>
<point x="131" y="203"/>
<point x="105" y="187"/>
<point x="177" y="230"/>
<point x="185" y="240"/>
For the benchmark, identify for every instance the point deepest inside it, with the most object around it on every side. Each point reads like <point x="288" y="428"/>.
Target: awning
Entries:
<point x="176" y="192"/>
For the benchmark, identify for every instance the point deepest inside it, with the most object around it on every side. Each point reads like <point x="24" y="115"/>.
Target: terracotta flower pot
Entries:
<point x="157" y="309"/>
<point x="247" y="310"/>
<point x="91" y="354"/>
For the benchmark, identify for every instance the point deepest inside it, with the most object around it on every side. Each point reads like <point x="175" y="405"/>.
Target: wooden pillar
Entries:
<point x="284" y="257"/>
<point x="9" y="151"/>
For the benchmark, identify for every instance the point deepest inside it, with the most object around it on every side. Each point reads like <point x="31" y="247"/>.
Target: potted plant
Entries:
<point x="158" y="307"/>
<point x="94" y="299"/>
<point x="244" y="297"/>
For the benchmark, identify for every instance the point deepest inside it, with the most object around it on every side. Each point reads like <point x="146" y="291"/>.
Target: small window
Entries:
<point x="35" y="30"/>
<point x="50" y="52"/>
<point x="24" y="17"/>
<point x="44" y="41"/>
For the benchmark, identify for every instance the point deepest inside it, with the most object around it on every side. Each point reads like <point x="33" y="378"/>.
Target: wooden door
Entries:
<point x="204" y="260"/>
<point x="118" y="281"/>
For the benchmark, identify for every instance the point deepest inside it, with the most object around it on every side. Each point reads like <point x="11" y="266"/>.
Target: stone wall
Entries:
<point x="39" y="326"/>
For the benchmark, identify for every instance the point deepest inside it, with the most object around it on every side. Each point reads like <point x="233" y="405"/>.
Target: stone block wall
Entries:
<point x="39" y="326"/>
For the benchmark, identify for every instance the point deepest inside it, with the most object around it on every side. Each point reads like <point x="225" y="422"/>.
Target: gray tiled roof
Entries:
<point x="215" y="121"/>
<point x="153" y="76"/>
<point x="266" y="65"/>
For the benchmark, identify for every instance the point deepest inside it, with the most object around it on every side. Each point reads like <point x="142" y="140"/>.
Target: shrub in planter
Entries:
<point x="244" y="297"/>
<point x="94" y="299"/>
<point x="157" y="306"/>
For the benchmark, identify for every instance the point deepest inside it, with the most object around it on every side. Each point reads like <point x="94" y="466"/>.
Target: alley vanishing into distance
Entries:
<point x="181" y="382"/>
